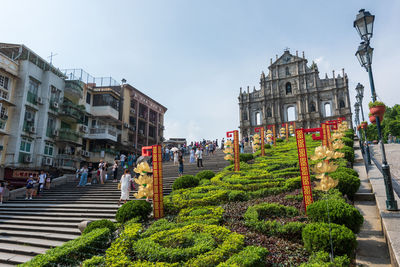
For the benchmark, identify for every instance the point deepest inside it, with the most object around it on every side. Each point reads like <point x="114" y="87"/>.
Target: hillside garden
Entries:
<point x="254" y="217"/>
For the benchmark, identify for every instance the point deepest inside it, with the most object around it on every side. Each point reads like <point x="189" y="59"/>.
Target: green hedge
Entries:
<point x="348" y="184"/>
<point x="348" y="141"/>
<point x="74" y="251"/>
<point x="250" y="256"/>
<point x="185" y="181"/>
<point x="348" y="153"/>
<point x="245" y="157"/>
<point x="316" y="237"/>
<point x="339" y="212"/>
<point x="133" y="209"/>
<point x="100" y="224"/>
<point x="95" y="261"/>
<point x="322" y="259"/>
<point x="206" y="215"/>
<point x="255" y="218"/>
<point x="206" y="174"/>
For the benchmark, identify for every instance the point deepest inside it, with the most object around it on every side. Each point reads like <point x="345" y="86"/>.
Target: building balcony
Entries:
<point x="73" y="89"/>
<point x="106" y="112"/>
<point x="103" y="133"/>
<point x="71" y="112"/>
<point x="142" y="116"/>
<point x="68" y="135"/>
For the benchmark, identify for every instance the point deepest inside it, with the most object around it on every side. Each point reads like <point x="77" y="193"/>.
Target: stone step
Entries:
<point x="40" y="235"/>
<point x="40" y="228"/>
<point x="31" y="223"/>
<point x="21" y="249"/>
<point x="64" y="206"/>
<point x="62" y="210"/>
<point x="36" y="242"/>
<point x="59" y="214"/>
<point x="12" y="259"/>
<point x="70" y="219"/>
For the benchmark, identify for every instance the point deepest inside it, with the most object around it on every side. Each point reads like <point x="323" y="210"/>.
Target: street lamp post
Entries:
<point x="359" y="97"/>
<point x="364" y="24"/>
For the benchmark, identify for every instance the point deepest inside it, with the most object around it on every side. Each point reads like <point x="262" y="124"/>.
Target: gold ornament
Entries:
<point x="324" y="167"/>
<point x="144" y="181"/>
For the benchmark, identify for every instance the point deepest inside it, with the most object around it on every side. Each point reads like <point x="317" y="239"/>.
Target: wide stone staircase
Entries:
<point x="30" y="227"/>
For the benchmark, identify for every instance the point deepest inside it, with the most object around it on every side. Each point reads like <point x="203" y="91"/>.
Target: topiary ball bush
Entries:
<point x="99" y="224"/>
<point x="245" y="157"/>
<point x="206" y="174"/>
<point x="339" y="212"/>
<point x="132" y="209"/>
<point x="316" y="237"/>
<point x="185" y="181"/>
<point x="348" y="184"/>
<point x="267" y="146"/>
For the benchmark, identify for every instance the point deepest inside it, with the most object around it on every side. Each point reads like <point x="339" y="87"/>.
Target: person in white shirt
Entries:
<point x="42" y="179"/>
<point x="199" y="157"/>
<point x="122" y="158"/>
<point x="125" y="181"/>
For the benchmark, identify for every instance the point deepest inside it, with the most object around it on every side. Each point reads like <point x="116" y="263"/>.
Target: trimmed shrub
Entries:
<point x="322" y="259"/>
<point x="99" y="224"/>
<point x="279" y="140"/>
<point x="349" y="134"/>
<point x="206" y="215"/>
<point x="185" y="181"/>
<point x="133" y="209"/>
<point x="267" y="146"/>
<point x="94" y="262"/>
<point x="245" y="157"/>
<point x="236" y="195"/>
<point x="316" y="237"/>
<point x="255" y="218"/>
<point x="192" y="245"/>
<point x="251" y="256"/>
<point x="348" y="142"/>
<point x="118" y="254"/>
<point x="339" y="212"/>
<point x="348" y="153"/>
<point x="206" y="174"/>
<point x="348" y="184"/>
<point x="347" y="170"/>
<point x="74" y="251"/>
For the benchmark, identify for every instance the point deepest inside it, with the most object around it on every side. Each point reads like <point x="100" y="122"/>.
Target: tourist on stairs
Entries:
<point x="199" y="157"/>
<point x="115" y="170"/>
<point x="180" y="160"/>
<point x="84" y="173"/>
<point x="29" y="187"/>
<point x="125" y="181"/>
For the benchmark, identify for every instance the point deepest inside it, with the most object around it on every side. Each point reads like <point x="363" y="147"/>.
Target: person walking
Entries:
<point x="176" y="158"/>
<point x="115" y="171"/>
<point x="29" y="187"/>
<point x="192" y="158"/>
<point x="90" y="173"/>
<point x="102" y="172"/>
<point x="222" y="143"/>
<point x="42" y="180"/>
<point x="199" y="157"/>
<point x="2" y="189"/>
<point x="126" y="181"/>
<point x="84" y="174"/>
<point x="122" y="158"/>
<point x="48" y="181"/>
<point x="180" y="160"/>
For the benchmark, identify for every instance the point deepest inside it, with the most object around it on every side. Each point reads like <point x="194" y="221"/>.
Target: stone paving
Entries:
<point x="392" y="157"/>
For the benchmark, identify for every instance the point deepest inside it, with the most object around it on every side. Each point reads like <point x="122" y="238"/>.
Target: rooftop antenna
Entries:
<point x="51" y="57"/>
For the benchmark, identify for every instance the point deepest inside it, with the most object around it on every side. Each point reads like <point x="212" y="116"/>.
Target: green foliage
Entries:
<point x="348" y="184"/>
<point x="133" y="209"/>
<point x="121" y="249"/>
<point x="207" y="215"/>
<point x="251" y="256"/>
<point x="339" y="212"/>
<point x="347" y="170"/>
<point x="349" y="134"/>
<point x="267" y="146"/>
<point x="74" y="251"/>
<point x="375" y="104"/>
<point x="348" y="153"/>
<point x="100" y="224"/>
<point x="195" y="244"/>
<point x="236" y="195"/>
<point x="206" y="174"/>
<point x="185" y="181"/>
<point x="279" y="140"/>
<point x="316" y="238"/>
<point x="348" y="142"/>
<point x="255" y="218"/>
<point x="95" y="261"/>
<point x="389" y="125"/>
<point x="245" y="157"/>
<point x="322" y="259"/>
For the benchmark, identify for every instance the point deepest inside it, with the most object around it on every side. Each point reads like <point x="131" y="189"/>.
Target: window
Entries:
<point x="258" y="118"/>
<point x="54" y="94"/>
<point x="312" y="108"/>
<point x="341" y="104"/>
<point x="85" y="120"/>
<point x="48" y="149"/>
<point x="25" y="145"/>
<point x="328" y="111"/>
<point x="33" y="87"/>
<point x="88" y="96"/>
<point x="105" y="100"/>
<point x="94" y="123"/>
<point x="51" y="126"/>
<point x="269" y="113"/>
<point x="291" y="114"/>
<point x="29" y="119"/>
<point x="244" y="115"/>
<point x="287" y="71"/>
<point x="4" y="82"/>
<point x="288" y="88"/>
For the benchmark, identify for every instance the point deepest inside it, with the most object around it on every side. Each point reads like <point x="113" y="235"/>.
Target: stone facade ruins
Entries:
<point x="293" y="91"/>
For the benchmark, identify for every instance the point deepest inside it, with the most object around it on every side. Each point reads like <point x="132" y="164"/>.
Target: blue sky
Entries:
<point x="193" y="56"/>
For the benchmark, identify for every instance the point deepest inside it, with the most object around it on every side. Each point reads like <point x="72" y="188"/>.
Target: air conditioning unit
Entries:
<point x="133" y="110"/>
<point x="27" y="158"/>
<point x="55" y="105"/>
<point x="39" y="100"/>
<point x="53" y="89"/>
<point x="55" y="132"/>
<point x="87" y="154"/>
<point x="48" y="161"/>
<point x="4" y="116"/>
<point x="141" y="131"/>
<point x="84" y="128"/>
<point x="32" y="129"/>
<point x="126" y="125"/>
